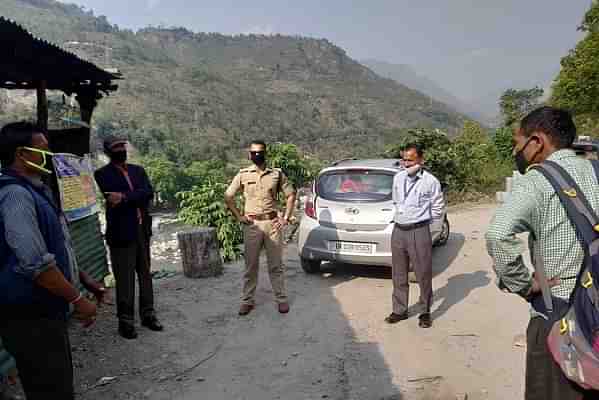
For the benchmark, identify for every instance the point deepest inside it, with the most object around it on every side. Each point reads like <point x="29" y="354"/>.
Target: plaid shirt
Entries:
<point x="534" y="207"/>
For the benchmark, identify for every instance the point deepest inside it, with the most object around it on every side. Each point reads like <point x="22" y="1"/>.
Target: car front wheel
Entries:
<point x="444" y="234"/>
<point x="310" y="266"/>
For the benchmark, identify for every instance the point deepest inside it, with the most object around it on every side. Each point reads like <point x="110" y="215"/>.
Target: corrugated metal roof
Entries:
<point x="25" y="60"/>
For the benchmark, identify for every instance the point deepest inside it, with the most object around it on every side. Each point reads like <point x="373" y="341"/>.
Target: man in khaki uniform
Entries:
<point x="263" y="225"/>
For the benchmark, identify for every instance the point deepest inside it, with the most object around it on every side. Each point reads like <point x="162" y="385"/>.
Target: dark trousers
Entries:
<point x="126" y="262"/>
<point x="413" y="246"/>
<point x="42" y="352"/>
<point x="544" y="378"/>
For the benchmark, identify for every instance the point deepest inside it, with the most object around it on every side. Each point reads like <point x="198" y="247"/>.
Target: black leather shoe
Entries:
<point x="425" y="320"/>
<point x="127" y="331"/>
<point x="395" y="318"/>
<point x="152" y="324"/>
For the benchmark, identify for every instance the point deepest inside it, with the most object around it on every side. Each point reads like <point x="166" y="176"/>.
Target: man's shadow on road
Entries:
<point x="457" y="289"/>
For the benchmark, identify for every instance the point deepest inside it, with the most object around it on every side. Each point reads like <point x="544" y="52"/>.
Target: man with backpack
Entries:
<point x="545" y="137"/>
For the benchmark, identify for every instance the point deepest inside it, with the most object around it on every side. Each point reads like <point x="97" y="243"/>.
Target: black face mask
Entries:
<point x="522" y="163"/>
<point x="258" y="157"/>
<point x="118" y="156"/>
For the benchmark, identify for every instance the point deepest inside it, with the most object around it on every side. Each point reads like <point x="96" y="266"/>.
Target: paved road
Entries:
<point x="334" y="343"/>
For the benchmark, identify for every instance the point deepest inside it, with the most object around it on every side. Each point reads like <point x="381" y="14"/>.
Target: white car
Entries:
<point x="348" y="217"/>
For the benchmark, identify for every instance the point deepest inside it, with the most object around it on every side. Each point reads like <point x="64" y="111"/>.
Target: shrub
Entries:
<point x="204" y="206"/>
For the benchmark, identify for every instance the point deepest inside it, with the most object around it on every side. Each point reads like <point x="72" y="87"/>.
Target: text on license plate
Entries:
<point x="351" y="247"/>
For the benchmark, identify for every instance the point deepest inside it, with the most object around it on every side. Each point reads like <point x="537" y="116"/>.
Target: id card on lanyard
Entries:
<point x="406" y="190"/>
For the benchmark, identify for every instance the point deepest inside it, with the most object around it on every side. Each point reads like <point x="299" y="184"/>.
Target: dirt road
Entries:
<point x="334" y="343"/>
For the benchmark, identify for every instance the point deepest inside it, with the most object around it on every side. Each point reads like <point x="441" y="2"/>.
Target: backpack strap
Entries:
<point x="577" y="206"/>
<point x="580" y="213"/>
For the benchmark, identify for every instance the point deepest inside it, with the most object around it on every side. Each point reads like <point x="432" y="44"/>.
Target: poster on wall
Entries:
<point x="76" y="184"/>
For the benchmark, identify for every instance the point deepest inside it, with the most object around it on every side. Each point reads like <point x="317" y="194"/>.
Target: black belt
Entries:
<point x="409" y="227"/>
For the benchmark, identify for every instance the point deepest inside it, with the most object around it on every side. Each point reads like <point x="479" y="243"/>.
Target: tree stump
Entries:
<point x="199" y="253"/>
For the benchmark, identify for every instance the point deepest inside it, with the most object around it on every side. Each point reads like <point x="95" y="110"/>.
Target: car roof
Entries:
<point x="374" y="163"/>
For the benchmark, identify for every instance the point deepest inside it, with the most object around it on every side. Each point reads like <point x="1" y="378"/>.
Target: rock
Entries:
<point x="520" y="341"/>
<point x="106" y="380"/>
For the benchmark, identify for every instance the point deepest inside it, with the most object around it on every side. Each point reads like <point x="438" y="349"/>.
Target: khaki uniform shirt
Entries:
<point x="260" y="189"/>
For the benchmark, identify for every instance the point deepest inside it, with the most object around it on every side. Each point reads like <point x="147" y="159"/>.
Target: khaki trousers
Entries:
<point x="259" y="235"/>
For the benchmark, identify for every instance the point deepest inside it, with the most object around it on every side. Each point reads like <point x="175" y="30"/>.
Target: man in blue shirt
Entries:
<point x="38" y="273"/>
<point x="418" y="201"/>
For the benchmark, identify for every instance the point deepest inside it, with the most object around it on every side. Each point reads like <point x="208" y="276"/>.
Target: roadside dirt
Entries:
<point x="332" y="345"/>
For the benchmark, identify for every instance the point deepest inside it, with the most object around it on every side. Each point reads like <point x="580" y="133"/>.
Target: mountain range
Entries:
<point x="192" y="96"/>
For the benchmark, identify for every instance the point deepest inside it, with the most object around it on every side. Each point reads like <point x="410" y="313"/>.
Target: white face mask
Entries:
<point x="413" y="170"/>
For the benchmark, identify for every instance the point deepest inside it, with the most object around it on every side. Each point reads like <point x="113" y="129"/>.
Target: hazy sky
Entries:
<point x="473" y="48"/>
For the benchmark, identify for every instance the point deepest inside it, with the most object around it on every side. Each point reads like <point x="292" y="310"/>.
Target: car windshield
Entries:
<point x="355" y="185"/>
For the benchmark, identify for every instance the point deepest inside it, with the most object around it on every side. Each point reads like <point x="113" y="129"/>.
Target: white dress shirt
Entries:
<point x="417" y="198"/>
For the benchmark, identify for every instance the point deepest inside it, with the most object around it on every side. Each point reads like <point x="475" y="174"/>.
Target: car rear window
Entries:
<point x="355" y="185"/>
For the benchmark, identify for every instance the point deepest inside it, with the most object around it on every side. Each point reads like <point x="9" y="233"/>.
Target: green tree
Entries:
<point x="478" y="165"/>
<point x="514" y="103"/>
<point x="200" y="172"/>
<point x="299" y="168"/>
<point x="204" y="206"/>
<point x="166" y="177"/>
<point x="577" y="85"/>
<point x="438" y="157"/>
<point x="503" y="142"/>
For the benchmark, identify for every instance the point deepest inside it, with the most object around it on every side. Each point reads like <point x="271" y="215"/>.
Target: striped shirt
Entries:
<point x="23" y="236"/>
<point x="417" y="198"/>
<point x="534" y="207"/>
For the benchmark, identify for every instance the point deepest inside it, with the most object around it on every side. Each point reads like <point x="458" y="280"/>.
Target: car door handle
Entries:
<point x="387" y="209"/>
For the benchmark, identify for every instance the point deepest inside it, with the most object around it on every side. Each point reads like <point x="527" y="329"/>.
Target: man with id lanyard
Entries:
<point x="418" y="201"/>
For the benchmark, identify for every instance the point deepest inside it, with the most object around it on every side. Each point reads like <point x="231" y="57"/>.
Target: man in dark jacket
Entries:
<point x="128" y="193"/>
<point x="38" y="270"/>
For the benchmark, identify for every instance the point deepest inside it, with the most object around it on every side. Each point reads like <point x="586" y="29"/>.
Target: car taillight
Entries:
<point x="309" y="208"/>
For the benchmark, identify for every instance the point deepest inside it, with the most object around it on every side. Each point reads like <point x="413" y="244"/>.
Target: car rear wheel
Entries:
<point x="310" y="266"/>
<point x="444" y="235"/>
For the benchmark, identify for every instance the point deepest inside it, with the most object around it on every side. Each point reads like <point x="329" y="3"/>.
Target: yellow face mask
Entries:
<point x="40" y="167"/>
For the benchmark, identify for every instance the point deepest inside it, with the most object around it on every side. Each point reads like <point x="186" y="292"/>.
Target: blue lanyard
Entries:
<point x="406" y="191"/>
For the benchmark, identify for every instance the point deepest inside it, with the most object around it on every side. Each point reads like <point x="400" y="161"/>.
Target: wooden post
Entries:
<point x="42" y="106"/>
<point x="88" y="100"/>
<point x="199" y="253"/>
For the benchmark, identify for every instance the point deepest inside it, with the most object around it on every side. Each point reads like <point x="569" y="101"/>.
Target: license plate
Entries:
<point x="351" y="247"/>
